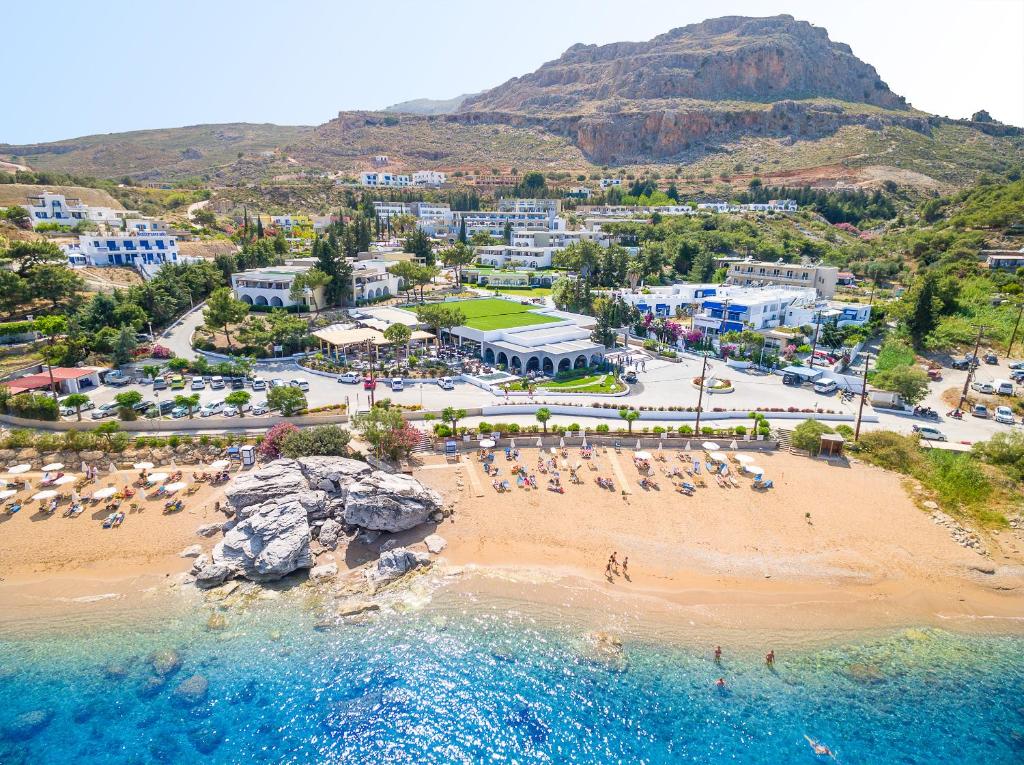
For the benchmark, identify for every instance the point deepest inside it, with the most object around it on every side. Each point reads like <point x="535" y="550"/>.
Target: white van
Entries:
<point x="446" y="383"/>
<point x="1003" y="387"/>
<point x="397" y="384"/>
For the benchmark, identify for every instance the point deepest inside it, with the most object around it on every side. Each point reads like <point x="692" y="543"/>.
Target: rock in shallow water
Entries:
<point x="192" y="690"/>
<point x="165" y="662"/>
<point x="28" y="724"/>
<point x="395" y="564"/>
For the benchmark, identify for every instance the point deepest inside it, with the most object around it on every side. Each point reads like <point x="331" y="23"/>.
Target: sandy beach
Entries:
<point x="830" y="547"/>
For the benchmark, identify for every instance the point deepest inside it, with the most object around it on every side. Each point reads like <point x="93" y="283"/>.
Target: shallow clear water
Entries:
<point x="461" y="682"/>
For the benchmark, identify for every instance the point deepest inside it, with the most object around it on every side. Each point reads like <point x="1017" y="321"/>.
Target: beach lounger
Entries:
<point x="109" y="520"/>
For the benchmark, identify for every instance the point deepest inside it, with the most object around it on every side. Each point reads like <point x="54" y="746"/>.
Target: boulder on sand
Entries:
<point x="332" y="474"/>
<point x="208" y="530"/>
<point x="324" y="571"/>
<point x="212" y="575"/>
<point x="394" y="564"/>
<point x="435" y="543"/>
<point x="389" y="502"/>
<point x="280" y="479"/>
<point x="272" y="541"/>
<point x="330" y="532"/>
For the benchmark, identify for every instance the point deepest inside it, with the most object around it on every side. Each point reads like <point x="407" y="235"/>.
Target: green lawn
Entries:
<point x="599" y="383"/>
<point x="495" y="313"/>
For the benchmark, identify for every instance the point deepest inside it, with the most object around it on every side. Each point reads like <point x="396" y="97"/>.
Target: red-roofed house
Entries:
<point x="845" y="278"/>
<point x="65" y="379"/>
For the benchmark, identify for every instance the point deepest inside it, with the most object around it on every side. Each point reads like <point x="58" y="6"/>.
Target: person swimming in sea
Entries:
<point x="819" y="748"/>
<point x="720" y="682"/>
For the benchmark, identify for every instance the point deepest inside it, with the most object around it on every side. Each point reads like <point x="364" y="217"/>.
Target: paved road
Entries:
<point x="178" y="337"/>
<point x="663" y="383"/>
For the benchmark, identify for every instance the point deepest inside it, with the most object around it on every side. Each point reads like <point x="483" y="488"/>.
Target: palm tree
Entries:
<point x="189" y="402"/>
<point x="629" y="415"/>
<point x="77" y="400"/>
<point x="543" y="415"/>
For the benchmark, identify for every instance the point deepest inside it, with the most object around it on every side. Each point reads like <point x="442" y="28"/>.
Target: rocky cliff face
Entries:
<point x="731" y="58"/>
<point x="656" y="100"/>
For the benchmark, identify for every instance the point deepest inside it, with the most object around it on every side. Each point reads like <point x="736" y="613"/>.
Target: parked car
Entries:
<point x="351" y="378"/>
<point x="991" y="358"/>
<point x="67" y="411"/>
<point x="983" y="387"/>
<point x="164" y="407"/>
<point x="1017" y="365"/>
<point x="629" y="377"/>
<point x="217" y="382"/>
<point x="177" y="382"/>
<point x="159" y="383"/>
<point x="232" y="410"/>
<point x="300" y="384"/>
<point x="261" y="408"/>
<point x="179" y="411"/>
<point x="980" y="410"/>
<point x="214" y="407"/>
<point x="1017" y="375"/>
<point x="397" y="384"/>
<point x="237" y="383"/>
<point x="825" y="386"/>
<point x="930" y="434"/>
<point x="117" y="379"/>
<point x="791" y="379"/>
<point x="198" y="383"/>
<point x="446" y="383"/>
<point x="106" y="410"/>
<point x="369" y="383"/>
<point x="1005" y="415"/>
<point x="277" y="382"/>
<point x="142" y="406"/>
<point x="1003" y="387"/>
<point x="259" y="384"/>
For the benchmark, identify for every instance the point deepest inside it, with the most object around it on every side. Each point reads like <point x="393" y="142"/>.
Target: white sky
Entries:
<point x="115" y="65"/>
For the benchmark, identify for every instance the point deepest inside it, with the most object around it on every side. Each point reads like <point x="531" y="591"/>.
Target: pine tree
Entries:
<point x="462" y="230"/>
<point x="259" y="227"/>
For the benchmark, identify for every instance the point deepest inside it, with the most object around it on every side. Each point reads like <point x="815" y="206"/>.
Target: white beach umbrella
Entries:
<point x="46" y="494"/>
<point x="511" y="443"/>
<point x="540" y="444"/>
<point x="711" y="446"/>
<point x="755" y="469"/>
<point x="554" y="450"/>
<point x="637" y="447"/>
<point x="6" y="493"/>
<point x="143" y="466"/>
<point x="487" y="443"/>
<point x="176" y="486"/>
<point x="53" y="466"/>
<point x="687" y="447"/>
<point x="157" y="477"/>
<point x="18" y="469"/>
<point x="642" y="455"/>
<point x="720" y="458"/>
<point x="65" y="479"/>
<point x="561" y="443"/>
<point x="584" y="441"/>
<point x="746" y="459"/>
<point x="219" y="464"/>
<point x="109" y="491"/>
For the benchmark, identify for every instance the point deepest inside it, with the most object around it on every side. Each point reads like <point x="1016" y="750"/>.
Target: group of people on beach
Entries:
<point x="613" y="567"/>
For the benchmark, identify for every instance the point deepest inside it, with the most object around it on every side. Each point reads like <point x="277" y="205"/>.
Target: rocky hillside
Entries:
<point x="772" y="95"/>
<point x="731" y="58"/>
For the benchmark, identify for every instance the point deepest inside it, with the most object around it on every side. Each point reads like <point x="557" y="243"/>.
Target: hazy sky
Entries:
<point x="76" y="68"/>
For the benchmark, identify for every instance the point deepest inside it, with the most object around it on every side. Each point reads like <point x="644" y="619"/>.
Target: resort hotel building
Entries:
<point x="759" y="273"/>
<point x="56" y="208"/>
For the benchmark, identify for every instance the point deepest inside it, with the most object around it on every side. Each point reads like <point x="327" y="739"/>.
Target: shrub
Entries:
<point x="602" y="428"/>
<point x="574" y="427"/>
<point x="512" y="427"/>
<point x="685" y="430"/>
<point x="764" y="429"/>
<point x="485" y="427"/>
<point x="34" y="406"/>
<point x="807" y="435"/>
<point x="844" y="430"/>
<point x="322" y="440"/>
<point x="19" y="439"/>
<point x="740" y="430"/>
<point x="706" y="431"/>
<point x="441" y="430"/>
<point x="141" y="442"/>
<point x="270" y="447"/>
<point x="658" y="430"/>
<point x="173" y="441"/>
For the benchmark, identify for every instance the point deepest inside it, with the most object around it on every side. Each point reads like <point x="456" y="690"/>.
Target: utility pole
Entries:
<point x="817" y="324"/>
<point x="863" y="397"/>
<point x="700" y="393"/>
<point x="971" y="367"/>
<point x="1016" y="325"/>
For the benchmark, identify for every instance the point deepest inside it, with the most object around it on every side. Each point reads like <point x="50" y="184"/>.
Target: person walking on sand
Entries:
<point x="718" y="654"/>
<point x="769" y="658"/>
<point x="614" y="561"/>
<point x="625" y="567"/>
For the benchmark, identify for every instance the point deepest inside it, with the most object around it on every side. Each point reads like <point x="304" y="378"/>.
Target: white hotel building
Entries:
<point x="56" y="208"/>
<point x="515" y="256"/>
<point x="421" y="178"/>
<point x="146" y="250"/>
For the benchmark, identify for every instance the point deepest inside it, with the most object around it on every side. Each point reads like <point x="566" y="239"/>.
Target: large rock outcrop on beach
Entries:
<point x="388" y="502"/>
<point x="277" y="507"/>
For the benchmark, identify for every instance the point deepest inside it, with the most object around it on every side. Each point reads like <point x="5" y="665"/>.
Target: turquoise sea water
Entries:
<point x="468" y="682"/>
